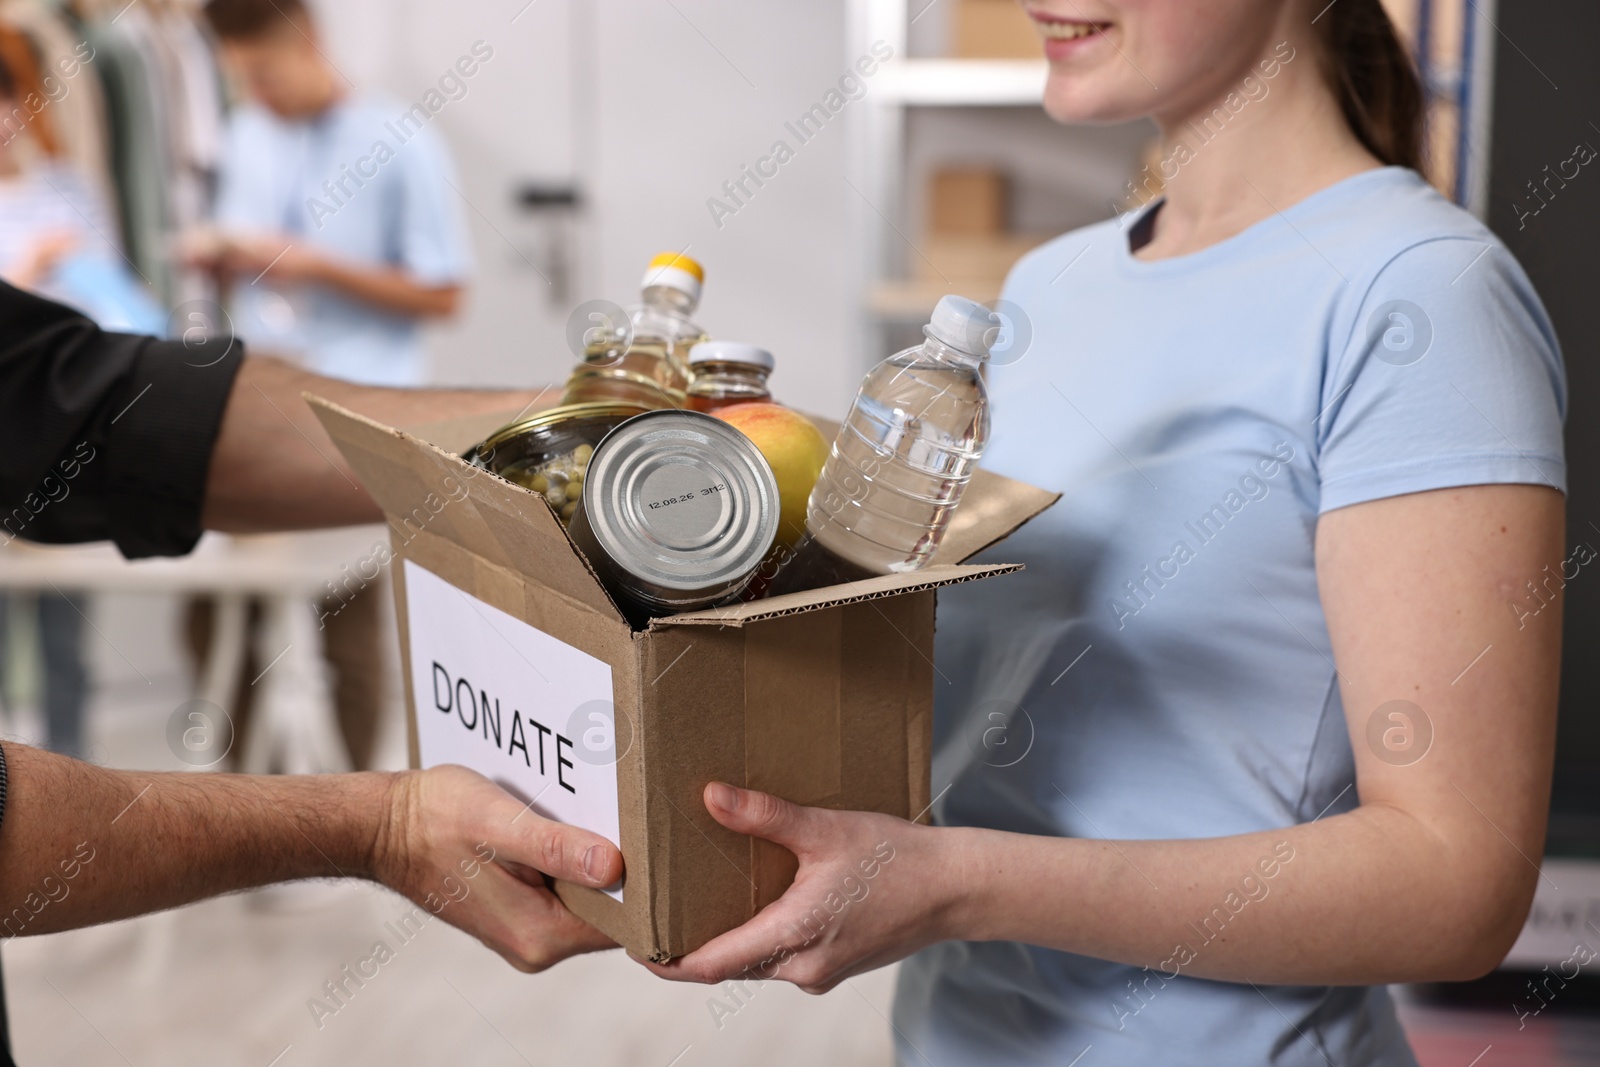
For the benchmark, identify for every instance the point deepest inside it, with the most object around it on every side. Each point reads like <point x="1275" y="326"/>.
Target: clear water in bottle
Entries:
<point x="902" y="458"/>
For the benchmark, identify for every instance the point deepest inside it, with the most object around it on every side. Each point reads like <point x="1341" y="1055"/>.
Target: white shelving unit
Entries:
<point x="963" y="82"/>
<point x="900" y="84"/>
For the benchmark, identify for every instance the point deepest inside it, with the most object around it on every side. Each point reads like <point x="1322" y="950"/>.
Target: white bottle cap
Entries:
<point x="730" y="352"/>
<point x="965" y="325"/>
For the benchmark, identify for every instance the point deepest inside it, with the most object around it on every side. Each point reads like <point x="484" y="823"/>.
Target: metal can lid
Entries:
<point x="540" y="420"/>
<point x="680" y="501"/>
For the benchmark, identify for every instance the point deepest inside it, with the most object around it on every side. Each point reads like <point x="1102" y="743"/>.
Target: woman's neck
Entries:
<point x="1250" y="151"/>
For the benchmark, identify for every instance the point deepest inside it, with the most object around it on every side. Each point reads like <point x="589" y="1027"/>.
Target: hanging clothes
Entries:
<point x="132" y="98"/>
<point x="191" y="106"/>
<point x="77" y="107"/>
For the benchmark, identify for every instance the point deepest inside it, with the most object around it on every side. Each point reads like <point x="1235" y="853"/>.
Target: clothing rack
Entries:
<point x="131" y="95"/>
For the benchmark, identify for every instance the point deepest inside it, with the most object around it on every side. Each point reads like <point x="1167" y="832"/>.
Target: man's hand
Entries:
<point x="474" y="855"/>
<point x="82" y="844"/>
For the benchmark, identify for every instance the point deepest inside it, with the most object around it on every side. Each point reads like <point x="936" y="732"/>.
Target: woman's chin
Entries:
<point x="1068" y="100"/>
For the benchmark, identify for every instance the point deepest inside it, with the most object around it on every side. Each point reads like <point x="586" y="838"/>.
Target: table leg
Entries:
<point x="219" y="677"/>
<point x="295" y="716"/>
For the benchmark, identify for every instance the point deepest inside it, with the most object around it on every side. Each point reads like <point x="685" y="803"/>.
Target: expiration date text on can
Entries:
<point x="687" y="496"/>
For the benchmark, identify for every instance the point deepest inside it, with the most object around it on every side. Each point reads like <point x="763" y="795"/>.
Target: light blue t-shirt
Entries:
<point x="1162" y="668"/>
<point x="367" y="181"/>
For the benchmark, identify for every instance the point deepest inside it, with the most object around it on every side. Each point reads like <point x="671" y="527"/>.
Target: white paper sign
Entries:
<point x="1562" y="922"/>
<point x="514" y="704"/>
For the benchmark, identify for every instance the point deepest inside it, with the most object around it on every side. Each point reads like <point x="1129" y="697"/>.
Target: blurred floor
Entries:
<point x="235" y="989"/>
<point x="227" y="982"/>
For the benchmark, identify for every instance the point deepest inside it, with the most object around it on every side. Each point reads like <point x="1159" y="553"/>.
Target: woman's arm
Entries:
<point x="1430" y="878"/>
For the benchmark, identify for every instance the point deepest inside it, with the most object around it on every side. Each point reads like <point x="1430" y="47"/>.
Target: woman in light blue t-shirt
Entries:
<point x="1268" y="721"/>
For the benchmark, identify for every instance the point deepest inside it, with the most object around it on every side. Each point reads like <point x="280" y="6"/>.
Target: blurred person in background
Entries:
<point x="1268" y="722"/>
<point x="56" y="238"/>
<point x="332" y="252"/>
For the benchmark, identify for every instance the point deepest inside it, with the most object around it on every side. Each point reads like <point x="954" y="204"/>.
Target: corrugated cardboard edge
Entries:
<point x="833" y="596"/>
<point x="403" y="626"/>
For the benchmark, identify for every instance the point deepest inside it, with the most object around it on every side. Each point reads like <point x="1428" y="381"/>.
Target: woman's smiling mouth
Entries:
<point x="1064" y="36"/>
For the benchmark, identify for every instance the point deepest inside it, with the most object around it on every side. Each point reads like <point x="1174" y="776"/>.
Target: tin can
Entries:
<point x="549" y="452"/>
<point x="677" y="512"/>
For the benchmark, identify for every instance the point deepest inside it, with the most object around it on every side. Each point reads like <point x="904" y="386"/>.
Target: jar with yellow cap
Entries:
<point x="646" y="360"/>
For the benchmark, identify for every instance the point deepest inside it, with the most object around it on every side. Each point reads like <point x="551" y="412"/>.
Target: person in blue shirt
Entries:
<point x="339" y="230"/>
<point x="337" y="217"/>
<point x="1268" y="721"/>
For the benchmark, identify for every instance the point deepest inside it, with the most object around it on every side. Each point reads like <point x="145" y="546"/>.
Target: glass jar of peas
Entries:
<point x="548" y="453"/>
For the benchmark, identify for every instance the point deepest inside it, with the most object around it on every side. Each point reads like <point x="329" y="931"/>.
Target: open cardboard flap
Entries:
<point x="503" y="523"/>
<point x="514" y="527"/>
<point x="831" y="596"/>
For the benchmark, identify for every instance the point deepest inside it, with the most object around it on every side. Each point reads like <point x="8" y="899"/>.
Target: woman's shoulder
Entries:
<point x="1392" y="237"/>
<point x="1392" y="220"/>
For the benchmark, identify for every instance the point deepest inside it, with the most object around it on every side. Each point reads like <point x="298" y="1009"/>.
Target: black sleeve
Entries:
<point x="105" y="436"/>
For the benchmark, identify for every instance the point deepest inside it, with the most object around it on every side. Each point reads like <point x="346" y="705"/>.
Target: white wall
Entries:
<point x="651" y="105"/>
<point x="678" y="117"/>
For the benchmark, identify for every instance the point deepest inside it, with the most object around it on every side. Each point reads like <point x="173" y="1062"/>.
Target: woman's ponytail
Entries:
<point x="1375" y="80"/>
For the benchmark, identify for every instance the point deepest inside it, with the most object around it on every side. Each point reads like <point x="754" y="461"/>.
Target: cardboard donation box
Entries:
<point x="518" y="665"/>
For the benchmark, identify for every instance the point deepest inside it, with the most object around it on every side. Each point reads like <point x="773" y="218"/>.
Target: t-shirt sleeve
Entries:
<point x="432" y="230"/>
<point x="106" y="436"/>
<point x="1450" y="375"/>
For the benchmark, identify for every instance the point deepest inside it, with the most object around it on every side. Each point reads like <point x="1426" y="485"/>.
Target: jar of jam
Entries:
<point x="727" y="372"/>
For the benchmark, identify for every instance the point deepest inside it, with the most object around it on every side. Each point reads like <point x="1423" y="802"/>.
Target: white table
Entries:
<point x="294" y="727"/>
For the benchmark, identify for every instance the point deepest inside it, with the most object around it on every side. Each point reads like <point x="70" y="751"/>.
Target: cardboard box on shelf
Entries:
<point x="994" y="29"/>
<point x="518" y="664"/>
<point x="968" y="202"/>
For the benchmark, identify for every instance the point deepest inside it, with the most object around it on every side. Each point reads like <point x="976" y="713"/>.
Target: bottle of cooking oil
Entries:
<point x="646" y="361"/>
<point x="902" y="458"/>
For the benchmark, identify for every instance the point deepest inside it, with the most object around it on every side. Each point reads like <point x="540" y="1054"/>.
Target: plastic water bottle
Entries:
<point x="902" y="457"/>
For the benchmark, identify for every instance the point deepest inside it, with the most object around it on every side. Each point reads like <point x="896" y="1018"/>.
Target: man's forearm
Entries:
<point x="274" y="466"/>
<point x="388" y="289"/>
<point x="81" y="844"/>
